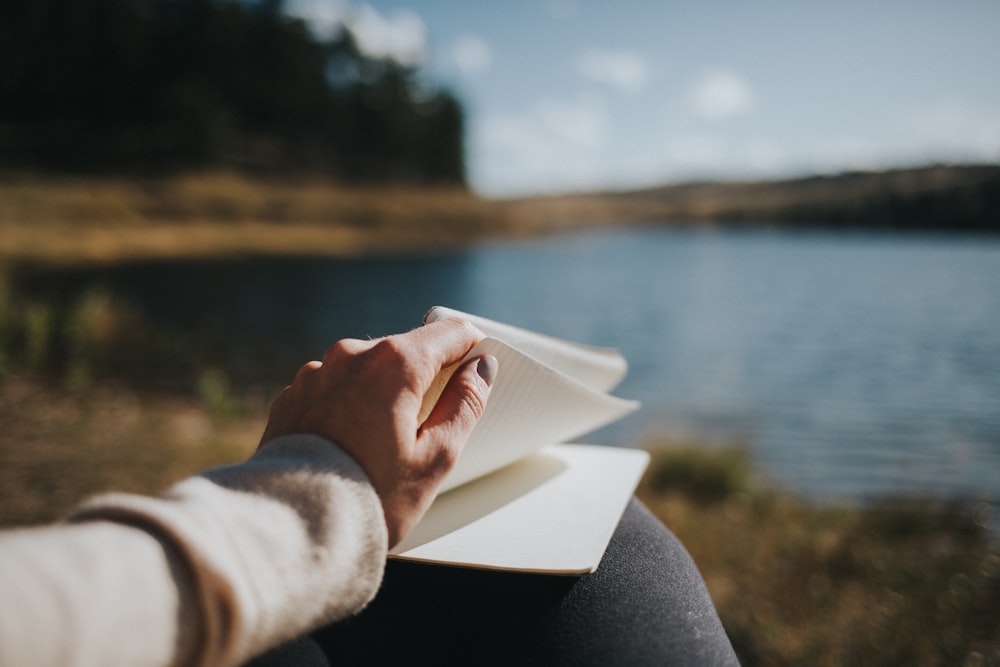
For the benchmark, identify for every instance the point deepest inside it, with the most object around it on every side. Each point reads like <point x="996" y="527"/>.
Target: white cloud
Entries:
<point x="582" y="123"/>
<point x="400" y="36"/>
<point x="624" y="70"/>
<point x="719" y="94"/>
<point x="550" y="126"/>
<point x="555" y="144"/>
<point x="471" y="54"/>
<point x="519" y="141"/>
<point x="324" y="17"/>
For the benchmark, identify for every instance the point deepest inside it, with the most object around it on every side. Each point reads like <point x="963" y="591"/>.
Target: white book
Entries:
<point x="519" y="498"/>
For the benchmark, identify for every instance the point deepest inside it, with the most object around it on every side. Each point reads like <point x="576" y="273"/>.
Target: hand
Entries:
<point x="366" y="395"/>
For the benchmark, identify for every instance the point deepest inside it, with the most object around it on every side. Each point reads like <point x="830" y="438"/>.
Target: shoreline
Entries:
<point x="58" y="221"/>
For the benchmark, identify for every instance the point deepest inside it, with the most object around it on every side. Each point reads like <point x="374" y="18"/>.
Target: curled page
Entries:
<point x="532" y="403"/>
<point x="597" y="367"/>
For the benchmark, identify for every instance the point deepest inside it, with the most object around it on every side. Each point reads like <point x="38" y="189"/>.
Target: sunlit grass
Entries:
<point x="893" y="582"/>
<point x="49" y="220"/>
<point x="58" y="446"/>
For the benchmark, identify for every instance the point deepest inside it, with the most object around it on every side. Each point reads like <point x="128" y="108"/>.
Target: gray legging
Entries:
<point x="645" y="605"/>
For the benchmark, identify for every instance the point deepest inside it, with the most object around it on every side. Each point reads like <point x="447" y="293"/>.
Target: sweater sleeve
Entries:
<point x="221" y="567"/>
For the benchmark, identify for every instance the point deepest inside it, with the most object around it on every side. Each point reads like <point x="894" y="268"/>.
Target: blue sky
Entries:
<point x="580" y="94"/>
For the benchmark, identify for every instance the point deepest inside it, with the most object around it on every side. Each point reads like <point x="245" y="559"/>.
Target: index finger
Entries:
<point x="445" y="342"/>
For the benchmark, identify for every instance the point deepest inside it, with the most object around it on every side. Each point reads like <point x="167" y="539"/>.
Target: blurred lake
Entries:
<point x="852" y="365"/>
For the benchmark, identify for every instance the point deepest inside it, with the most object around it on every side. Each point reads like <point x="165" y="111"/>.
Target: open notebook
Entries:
<point x="518" y="499"/>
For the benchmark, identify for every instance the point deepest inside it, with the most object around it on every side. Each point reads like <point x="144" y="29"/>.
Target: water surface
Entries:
<point x="853" y="365"/>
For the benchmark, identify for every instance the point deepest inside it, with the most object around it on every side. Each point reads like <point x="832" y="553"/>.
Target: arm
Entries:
<point x="221" y="567"/>
<point x="238" y="559"/>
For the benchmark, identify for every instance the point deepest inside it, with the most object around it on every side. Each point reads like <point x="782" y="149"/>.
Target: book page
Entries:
<point x="531" y="405"/>
<point x="597" y="367"/>
<point x="554" y="512"/>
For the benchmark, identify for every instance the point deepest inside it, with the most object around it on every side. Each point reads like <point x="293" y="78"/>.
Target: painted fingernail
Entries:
<point x="487" y="368"/>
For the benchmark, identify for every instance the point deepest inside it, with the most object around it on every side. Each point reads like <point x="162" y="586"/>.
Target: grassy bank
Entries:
<point x="894" y="582"/>
<point x="934" y="198"/>
<point x="57" y="221"/>
<point x="58" y="446"/>
<point x="796" y="583"/>
<point x="47" y="220"/>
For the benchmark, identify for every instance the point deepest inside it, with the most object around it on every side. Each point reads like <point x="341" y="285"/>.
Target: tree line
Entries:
<point x="152" y="86"/>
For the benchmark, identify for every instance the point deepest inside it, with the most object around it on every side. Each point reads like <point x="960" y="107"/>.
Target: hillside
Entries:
<point x="940" y="198"/>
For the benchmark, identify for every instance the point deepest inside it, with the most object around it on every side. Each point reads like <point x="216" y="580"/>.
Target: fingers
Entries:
<point x="307" y="369"/>
<point x="446" y="341"/>
<point x="418" y="355"/>
<point x="459" y="408"/>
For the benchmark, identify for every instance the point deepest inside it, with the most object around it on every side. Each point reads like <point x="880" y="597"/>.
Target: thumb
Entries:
<point x="461" y="404"/>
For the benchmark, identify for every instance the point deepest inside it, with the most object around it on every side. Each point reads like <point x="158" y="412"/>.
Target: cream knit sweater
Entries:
<point x="223" y="566"/>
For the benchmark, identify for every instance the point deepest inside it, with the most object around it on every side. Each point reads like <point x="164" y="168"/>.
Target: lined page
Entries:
<point x="531" y="405"/>
<point x="597" y="367"/>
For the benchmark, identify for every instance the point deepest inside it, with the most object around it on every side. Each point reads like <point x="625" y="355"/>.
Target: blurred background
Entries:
<point x="784" y="214"/>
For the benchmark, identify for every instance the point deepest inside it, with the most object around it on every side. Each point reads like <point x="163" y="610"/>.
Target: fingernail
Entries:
<point x="487" y="368"/>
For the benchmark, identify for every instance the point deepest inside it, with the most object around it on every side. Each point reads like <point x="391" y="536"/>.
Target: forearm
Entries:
<point x="95" y="594"/>
<point x="221" y="567"/>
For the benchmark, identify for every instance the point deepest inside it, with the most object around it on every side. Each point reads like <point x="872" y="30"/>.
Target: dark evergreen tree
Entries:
<point x="155" y="85"/>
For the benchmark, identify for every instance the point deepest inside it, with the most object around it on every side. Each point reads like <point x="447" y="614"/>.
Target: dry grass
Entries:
<point x="47" y="220"/>
<point x="896" y="582"/>
<point x="59" y="446"/>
